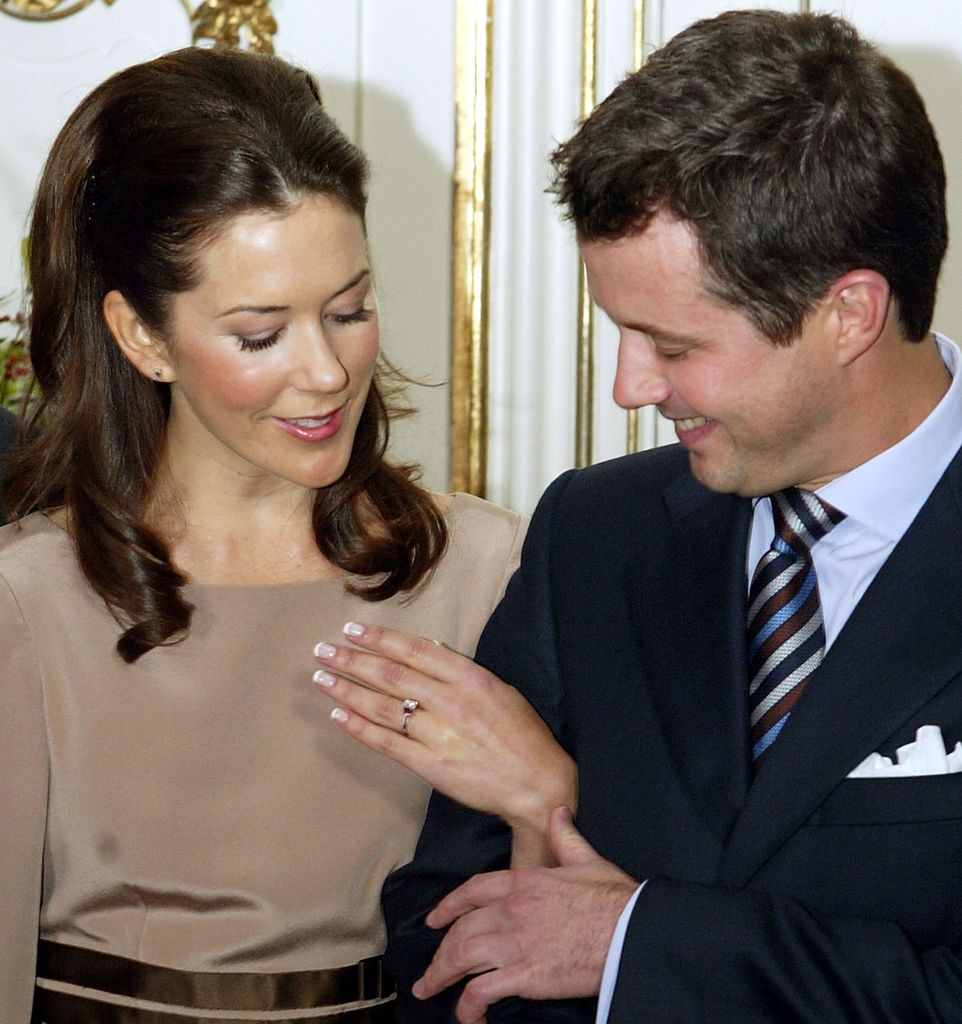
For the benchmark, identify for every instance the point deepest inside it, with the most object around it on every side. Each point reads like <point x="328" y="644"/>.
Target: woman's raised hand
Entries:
<point x="453" y="723"/>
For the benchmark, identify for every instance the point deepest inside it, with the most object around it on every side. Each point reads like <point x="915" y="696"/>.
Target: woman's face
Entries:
<point x="272" y="353"/>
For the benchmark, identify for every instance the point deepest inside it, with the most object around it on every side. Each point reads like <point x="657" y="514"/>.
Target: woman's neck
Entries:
<point x="247" y="540"/>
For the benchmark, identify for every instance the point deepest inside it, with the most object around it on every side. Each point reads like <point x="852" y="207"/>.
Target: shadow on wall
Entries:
<point x="938" y="76"/>
<point x="409" y="231"/>
<point x="409" y="227"/>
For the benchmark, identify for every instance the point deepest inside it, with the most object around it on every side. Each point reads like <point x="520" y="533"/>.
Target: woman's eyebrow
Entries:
<point x="357" y="279"/>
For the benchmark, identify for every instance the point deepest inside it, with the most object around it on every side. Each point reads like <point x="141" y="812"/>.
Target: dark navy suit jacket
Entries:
<point x="8" y="434"/>
<point x="795" y="896"/>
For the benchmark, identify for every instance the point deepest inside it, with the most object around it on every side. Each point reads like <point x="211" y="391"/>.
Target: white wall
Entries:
<point x="534" y="275"/>
<point x="386" y="68"/>
<point x="386" y="74"/>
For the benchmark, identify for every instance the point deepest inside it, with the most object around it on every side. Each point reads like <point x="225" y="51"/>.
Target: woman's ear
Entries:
<point x="138" y="344"/>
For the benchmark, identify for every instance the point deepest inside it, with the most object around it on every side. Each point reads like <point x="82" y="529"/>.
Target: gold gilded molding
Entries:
<point x="585" y="358"/>
<point x="638" y="42"/>
<point x="471" y="239"/>
<point x="229" y="22"/>
<point x="225" y="23"/>
<point x="44" y="10"/>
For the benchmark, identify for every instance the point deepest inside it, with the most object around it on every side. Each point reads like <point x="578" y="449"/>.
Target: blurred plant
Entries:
<point x="15" y="374"/>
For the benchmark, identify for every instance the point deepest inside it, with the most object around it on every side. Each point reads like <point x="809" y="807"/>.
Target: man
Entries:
<point x="761" y="213"/>
<point x="8" y="425"/>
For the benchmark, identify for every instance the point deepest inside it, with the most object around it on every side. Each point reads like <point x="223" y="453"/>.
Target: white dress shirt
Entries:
<point x="880" y="499"/>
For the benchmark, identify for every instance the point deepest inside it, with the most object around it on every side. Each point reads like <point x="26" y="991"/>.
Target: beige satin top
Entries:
<point x="198" y="809"/>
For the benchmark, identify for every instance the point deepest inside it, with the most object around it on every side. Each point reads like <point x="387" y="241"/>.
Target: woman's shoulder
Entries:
<point x="476" y="520"/>
<point x="455" y="600"/>
<point x="484" y="541"/>
<point x="461" y="507"/>
<point x="36" y="546"/>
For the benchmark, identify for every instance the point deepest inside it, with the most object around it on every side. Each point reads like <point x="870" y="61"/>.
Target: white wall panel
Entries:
<point x="45" y="70"/>
<point x="406" y="117"/>
<point x="324" y="38"/>
<point x="615" y="60"/>
<point x="925" y="39"/>
<point x="387" y="73"/>
<point x="533" y="256"/>
<point x="533" y="328"/>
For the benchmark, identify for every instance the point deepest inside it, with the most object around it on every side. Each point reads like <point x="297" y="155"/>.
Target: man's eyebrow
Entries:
<point x="356" y="280"/>
<point x="659" y="334"/>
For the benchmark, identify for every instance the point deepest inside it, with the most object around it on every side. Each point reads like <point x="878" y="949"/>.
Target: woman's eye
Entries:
<point x="357" y="316"/>
<point x="255" y="344"/>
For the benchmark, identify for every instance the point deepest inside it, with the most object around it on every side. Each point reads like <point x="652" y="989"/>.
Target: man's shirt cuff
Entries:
<point x="613" y="961"/>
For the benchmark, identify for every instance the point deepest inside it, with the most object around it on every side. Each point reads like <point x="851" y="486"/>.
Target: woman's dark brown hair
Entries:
<point x="151" y="165"/>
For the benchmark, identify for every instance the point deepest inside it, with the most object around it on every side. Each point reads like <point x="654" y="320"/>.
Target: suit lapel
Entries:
<point x="688" y="613"/>
<point x="900" y="646"/>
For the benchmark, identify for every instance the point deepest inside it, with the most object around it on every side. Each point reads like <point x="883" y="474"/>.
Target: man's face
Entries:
<point x="755" y="416"/>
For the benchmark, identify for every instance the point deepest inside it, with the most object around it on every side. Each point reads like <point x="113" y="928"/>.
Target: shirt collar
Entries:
<point x="914" y="465"/>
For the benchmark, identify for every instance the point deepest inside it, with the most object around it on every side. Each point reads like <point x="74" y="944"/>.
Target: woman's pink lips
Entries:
<point x="328" y="428"/>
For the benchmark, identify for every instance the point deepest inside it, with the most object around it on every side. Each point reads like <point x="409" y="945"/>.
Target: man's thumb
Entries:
<point x="568" y="844"/>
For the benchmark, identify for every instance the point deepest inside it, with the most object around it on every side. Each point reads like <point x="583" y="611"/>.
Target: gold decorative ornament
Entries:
<point x="225" y="23"/>
<point x="637" y="60"/>
<point x="584" y="387"/>
<point x="471" y="242"/>
<point x="44" y="10"/>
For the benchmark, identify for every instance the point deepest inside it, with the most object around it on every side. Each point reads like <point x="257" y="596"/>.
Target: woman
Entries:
<point x="207" y="465"/>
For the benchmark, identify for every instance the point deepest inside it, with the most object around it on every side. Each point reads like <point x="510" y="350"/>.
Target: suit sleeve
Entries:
<point x="23" y="801"/>
<point x="697" y="953"/>
<point x="456" y="843"/>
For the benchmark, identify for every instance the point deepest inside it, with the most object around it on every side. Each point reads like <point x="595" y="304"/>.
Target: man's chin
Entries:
<point x="726" y="479"/>
<point x="709" y="473"/>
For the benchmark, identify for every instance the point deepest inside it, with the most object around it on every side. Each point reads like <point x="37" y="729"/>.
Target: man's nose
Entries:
<point x="640" y="378"/>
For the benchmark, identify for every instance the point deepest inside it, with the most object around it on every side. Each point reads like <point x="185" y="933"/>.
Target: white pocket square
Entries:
<point x="926" y="756"/>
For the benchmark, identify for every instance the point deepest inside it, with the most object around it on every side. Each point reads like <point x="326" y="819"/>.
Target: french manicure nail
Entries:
<point x="353" y="629"/>
<point x="339" y="715"/>
<point x="323" y="678"/>
<point x="325" y="650"/>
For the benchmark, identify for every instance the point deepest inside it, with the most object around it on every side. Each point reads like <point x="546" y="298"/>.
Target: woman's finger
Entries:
<point x="416" y="652"/>
<point x="391" y="742"/>
<point x="477" y="739"/>
<point x="378" y="708"/>
<point x="391" y="678"/>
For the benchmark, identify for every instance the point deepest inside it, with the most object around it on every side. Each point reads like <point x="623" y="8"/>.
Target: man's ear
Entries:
<point x="860" y="302"/>
<point x="140" y="346"/>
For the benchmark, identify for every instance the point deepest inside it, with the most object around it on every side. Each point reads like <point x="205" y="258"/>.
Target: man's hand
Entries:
<point x="539" y="933"/>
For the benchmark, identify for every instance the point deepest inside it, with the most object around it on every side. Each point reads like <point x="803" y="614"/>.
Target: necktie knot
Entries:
<point x="801" y="520"/>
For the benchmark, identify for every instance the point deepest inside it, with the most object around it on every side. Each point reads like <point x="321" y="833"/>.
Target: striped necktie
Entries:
<point x="786" y="635"/>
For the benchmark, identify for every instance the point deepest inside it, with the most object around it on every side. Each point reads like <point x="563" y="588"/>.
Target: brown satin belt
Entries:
<point x="183" y="991"/>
